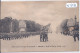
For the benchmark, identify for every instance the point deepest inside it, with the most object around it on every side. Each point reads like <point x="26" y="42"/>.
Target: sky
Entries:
<point x="42" y="12"/>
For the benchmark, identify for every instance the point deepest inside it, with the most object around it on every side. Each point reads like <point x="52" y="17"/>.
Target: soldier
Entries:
<point x="43" y="35"/>
<point x="76" y="33"/>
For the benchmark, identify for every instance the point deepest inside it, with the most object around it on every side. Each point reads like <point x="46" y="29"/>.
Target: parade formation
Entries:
<point x="23" y="31"/>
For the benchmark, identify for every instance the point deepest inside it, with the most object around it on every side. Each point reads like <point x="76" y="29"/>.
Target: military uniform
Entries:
<point x="75" y="35"/>
<point x="44" y="35"/>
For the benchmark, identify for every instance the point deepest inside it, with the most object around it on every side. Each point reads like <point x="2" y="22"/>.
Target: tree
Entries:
<point x="31" y="26"/>
<point x="15" y="25"/>
<point x="0" y="26"/>
<point x="5" y="24"/>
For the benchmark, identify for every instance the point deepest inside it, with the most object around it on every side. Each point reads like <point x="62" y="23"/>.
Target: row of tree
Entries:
<point x="65" y="26"/>
<point x="5" y="25"/>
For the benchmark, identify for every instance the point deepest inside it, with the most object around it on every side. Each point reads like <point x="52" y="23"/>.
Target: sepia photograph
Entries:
<point x="39" y="26"/>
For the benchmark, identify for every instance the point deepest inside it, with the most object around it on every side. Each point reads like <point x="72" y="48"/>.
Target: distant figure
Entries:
<point x="44" y="33"/>
<point x="76" y="34"/>
<point x="43" y="36"/>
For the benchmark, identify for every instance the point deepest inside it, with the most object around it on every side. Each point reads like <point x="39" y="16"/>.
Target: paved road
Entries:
<point x="57" y="42"/>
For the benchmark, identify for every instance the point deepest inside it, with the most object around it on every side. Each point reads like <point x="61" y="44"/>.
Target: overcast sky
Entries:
<point x="40" y="12"/>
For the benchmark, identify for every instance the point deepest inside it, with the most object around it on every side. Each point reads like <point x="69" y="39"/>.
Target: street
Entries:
<point x="56" y="42"/>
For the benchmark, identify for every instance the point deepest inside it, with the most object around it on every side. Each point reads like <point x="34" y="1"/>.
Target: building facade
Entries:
<point x="22" y="26"/>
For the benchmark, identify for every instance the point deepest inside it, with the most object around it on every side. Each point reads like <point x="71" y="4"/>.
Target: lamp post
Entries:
<point x="75" y="20"/>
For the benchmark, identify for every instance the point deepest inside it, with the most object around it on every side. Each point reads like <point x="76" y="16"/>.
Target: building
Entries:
<point x="22" y="26"/>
